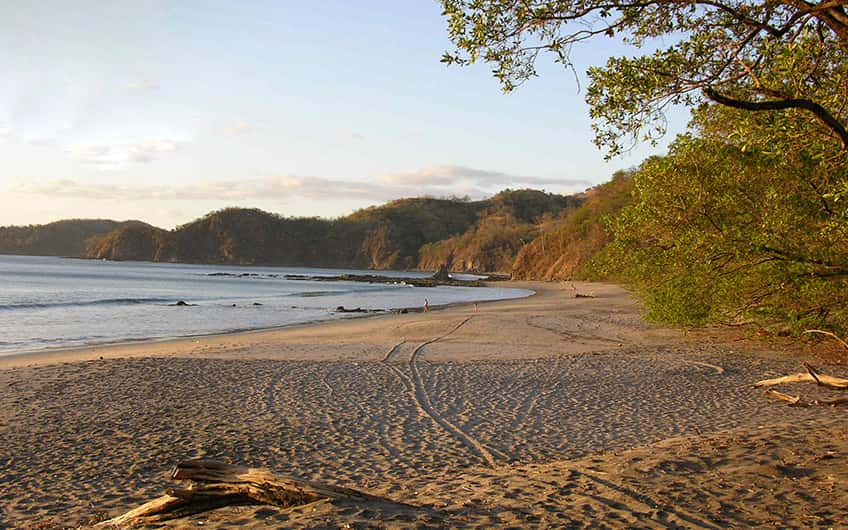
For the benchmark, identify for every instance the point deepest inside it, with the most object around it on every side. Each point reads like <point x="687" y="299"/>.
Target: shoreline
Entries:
<point x="547" y="411"/>
<point x="122" y="347"/>
<point x="115" y="317"/>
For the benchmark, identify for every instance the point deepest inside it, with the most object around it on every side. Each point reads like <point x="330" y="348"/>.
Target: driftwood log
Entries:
<point x="811" y="375"/>
<point x="798" y="402"/>
<point x="838" y="339"/>
<point x="214" y="484"/>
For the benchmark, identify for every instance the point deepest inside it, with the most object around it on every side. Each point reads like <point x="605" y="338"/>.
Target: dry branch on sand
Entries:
<point x="812" y="375"/>
<point x="829" y="334"/>
<point x="214" y="484"/>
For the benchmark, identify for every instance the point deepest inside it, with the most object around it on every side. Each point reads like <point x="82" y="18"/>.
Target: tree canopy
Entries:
<point x="770" y="55"/>
<point x="746" y="218"/>
<point x="742" y="229"/>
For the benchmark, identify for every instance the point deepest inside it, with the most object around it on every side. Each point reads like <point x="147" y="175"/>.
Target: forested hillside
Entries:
<point x="739" y="223"/>
<point x="511" y="220"/>
<point x="403" y="234"/>
<point x="565" y="244"/>
<point x="62" y="238"/>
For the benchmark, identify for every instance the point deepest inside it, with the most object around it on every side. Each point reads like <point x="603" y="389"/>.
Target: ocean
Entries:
<point x="53" y="303"/>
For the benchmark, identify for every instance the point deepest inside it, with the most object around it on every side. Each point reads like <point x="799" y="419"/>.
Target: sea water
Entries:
<point x="48" y="302"/>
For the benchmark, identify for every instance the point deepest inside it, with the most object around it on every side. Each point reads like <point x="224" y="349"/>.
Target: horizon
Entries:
<point x="326" y="218"/>
<point x="163" y="112"/>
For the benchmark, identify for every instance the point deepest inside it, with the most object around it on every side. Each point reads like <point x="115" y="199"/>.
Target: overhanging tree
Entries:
<point x="738" y="227"/>
<point x="758" y="56"/>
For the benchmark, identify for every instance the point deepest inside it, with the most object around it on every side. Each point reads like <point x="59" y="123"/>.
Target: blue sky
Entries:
<point x="161" y="111"/>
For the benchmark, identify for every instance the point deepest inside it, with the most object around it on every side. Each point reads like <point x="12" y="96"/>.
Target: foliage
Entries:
<point x="756" y="55"/>
<point x="384" y="237"/>
<point x="506" y="222"/>
<point x="746" y="219"/>
<point x="61" y="238"/>
<point x="398" y="229"/>
<point x="740" y="222"/>
<point x="566" y="244"/>
<point x="527" y="206"/>
<point x="488" y="246"/>
<point x="127" y="243"/>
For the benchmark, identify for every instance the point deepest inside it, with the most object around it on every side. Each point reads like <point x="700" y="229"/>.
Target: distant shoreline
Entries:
<point x="52" y="304"/>
<point x="90" y="351"/>
<point x="497" y="276"/>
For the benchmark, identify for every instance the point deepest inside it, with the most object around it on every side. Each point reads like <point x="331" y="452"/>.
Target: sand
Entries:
<point x="553" y="411"/>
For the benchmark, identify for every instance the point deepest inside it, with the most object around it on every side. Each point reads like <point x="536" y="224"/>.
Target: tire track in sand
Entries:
<point x="407" y="382"/>
<point x="272" y="391"/>
<point x="570" y="335"/>
<point x="418" y="391"/>
<point x="391" y="353"/>
<point x="536" y="394"/>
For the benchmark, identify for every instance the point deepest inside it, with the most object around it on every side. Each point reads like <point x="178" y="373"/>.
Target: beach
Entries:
<point x="556" y="410"/>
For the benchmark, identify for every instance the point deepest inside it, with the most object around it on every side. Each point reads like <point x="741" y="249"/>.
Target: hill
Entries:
<point x="397" y="235"/>
<point x="511" y="220"/>
<point x="564" y="245"/>
<point x="61" y="238"/>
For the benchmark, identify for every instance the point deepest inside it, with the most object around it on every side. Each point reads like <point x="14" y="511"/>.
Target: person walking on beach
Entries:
<point x="426" y="305"/>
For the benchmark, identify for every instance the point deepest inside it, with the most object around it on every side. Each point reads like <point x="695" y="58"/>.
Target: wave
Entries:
<point x="83" y="303"/>
<point x="312" y="294"/>
<point x="364" y="288"/>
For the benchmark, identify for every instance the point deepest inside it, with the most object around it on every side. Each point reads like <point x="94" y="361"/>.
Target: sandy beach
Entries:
<point x="551" y="411"/>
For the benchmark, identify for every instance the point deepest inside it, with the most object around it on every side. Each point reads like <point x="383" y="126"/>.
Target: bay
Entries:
<point x="49" y="302"/>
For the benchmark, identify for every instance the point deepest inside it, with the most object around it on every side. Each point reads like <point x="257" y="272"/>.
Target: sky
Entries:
<point x="161" y="111"/>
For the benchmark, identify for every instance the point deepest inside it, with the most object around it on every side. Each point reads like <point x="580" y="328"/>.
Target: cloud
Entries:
<point x="71" y="188"/>
<point x="452" y="176"/>
<point x="350" y="136"/>
<point x="277" y="187"/>
<point x="40" y="142"/>
<point x="115" y="156"/>
<point x="150" y="150"/>
<point x="437" y="181"/>
<point x="240" y="127"/>
<point x="145" y="85"/>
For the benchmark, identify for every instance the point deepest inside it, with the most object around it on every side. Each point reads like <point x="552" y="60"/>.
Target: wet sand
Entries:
<point x="550" y="411"/>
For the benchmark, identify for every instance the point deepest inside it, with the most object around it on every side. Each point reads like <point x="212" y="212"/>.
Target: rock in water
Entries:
<point x="442" y="274"/>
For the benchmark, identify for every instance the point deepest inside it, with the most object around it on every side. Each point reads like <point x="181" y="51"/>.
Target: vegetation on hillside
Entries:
<point x="61" y="238"/>
<point x="739" y="227"/>
<point x="125" y="243"/>
<point x="489" y="245"/>
<point x="746" y="218"/>
<point x="565" y="244"/>
<point x="392" y="234"/>
<point x="503" y="227"/>
<point x="397" y="235"/>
